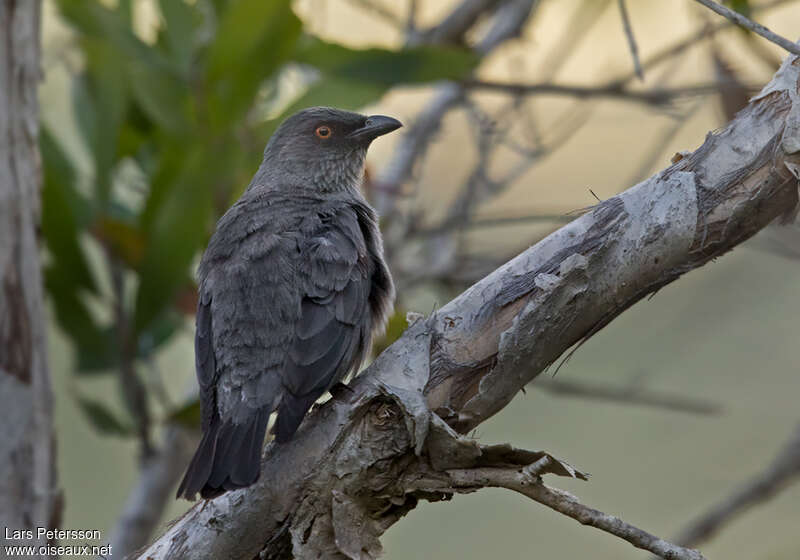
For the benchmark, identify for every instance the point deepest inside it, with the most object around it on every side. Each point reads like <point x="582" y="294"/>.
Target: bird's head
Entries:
<point x="323" y="148"/>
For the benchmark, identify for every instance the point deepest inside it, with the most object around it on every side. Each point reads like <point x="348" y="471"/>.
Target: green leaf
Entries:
<point x="169" y="164"/>
<point x="254" y="39"/>
<point x="160" y="332"/>
<point x="353" y="78"/>
<point x="161" y="95"/>
<point x="188" y="414"/>
<point x="99" y="97"/>
<point x="387" y="67"/>
<point x="115" y="53"/>
<point x="110" y="27"/>
<point x="244" y="26"/>
<point x="98" y="356"/>
<point x="177" y="228"/>
<point x="102" y="418"/>
<point x="63" y="213"/>
<point x="178" y="36"/>
<point x="101" y="354"/>
<point x="96" y="350"/>
<point x="337" y="92"/>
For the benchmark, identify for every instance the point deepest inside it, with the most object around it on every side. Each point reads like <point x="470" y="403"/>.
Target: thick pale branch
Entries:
<point x="334" y="490"/>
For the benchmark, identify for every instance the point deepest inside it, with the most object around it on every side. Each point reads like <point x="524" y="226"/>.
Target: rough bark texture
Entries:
<point x="356" y="467"/>
<point x="28" y="493"/>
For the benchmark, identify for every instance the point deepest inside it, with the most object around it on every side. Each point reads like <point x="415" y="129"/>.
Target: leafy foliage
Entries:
<point x="182" y="111"/>
<point x="102" y="418"/>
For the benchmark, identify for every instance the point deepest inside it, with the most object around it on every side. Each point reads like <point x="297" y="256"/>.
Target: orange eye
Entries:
<point x="323" y="132"/>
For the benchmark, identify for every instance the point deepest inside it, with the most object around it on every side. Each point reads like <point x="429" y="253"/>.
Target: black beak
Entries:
<point x="374" y="126"/>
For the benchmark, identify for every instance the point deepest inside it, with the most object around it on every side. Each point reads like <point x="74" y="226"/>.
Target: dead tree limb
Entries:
<point x="347" y="477"/>
<point x="528" y="484"/>
<point x="29" y="495"/>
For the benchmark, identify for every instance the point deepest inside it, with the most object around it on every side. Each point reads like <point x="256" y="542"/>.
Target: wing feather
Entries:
<point x="333" y="330"/>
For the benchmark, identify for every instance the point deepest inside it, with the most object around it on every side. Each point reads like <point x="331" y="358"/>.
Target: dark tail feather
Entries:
<point x="200" y="466"/>
<point x="228" y="457"/>
<point x="291" y="413"/>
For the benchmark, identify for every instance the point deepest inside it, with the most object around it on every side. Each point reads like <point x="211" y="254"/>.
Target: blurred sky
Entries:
<point x="726" y="333"/>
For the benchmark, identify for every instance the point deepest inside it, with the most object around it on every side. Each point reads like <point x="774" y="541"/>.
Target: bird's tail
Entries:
<point x="228" y="457"/>
<point x="291" y="412"/>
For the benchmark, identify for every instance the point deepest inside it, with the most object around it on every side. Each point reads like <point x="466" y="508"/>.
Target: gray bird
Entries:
<point x="292" y="289"/>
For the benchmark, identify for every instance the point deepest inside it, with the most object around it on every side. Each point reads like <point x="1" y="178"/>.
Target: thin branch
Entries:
<point x="691" y="40"/>
<point x="747" y="23"/>
<point x="626" y="25"/>
<point x="498" y="221"/>
<point x="411" y="18"/>
<point x="782" y="471"/>
<point x="380" y="11"/>
<point x="506" y="24"/>
<point x="656" y="96"/>
<point x="451" y="29"/>
<point x="626" y="395"/>
<point x="133" y="390"/>
<point x="566" y="504"/>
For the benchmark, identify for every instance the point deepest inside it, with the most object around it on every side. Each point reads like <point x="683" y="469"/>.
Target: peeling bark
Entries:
<point x="358" y="466"/>
<point x="29" y="496"/>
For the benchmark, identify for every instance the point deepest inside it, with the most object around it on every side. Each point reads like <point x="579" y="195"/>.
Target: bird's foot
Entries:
<point x="341" y="392"/>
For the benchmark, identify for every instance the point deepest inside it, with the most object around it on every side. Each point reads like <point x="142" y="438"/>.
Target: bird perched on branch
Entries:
<point x="292" y="288"/>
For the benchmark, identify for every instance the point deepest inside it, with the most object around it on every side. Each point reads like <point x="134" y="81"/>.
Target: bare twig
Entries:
<point x="379" y="10"/>
<point x="626" y="25"/>
<point x="134" y="391"/>
<point x="455" y="25"/>
<point x="747" y="23"/>
<point x="691" y="40"/>
<point x="782" y="471"/>
<point x="627" y="395"/>
<point x="506" y="24"/>
<point x="499" y="221"/>
<point x="566" y="504"/>
<point x="411" y="18"/>
<point x="656" y="96"/>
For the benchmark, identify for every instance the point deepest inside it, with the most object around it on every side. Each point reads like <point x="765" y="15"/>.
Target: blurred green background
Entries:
<point x="155" y="114"/>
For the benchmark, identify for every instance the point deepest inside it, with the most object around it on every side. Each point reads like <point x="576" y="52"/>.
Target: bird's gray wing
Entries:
<point x="248" y="270"/>
<point x="205" y="364"/>
<point x="248" y="304"/>
<point x="332" y="333"/>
